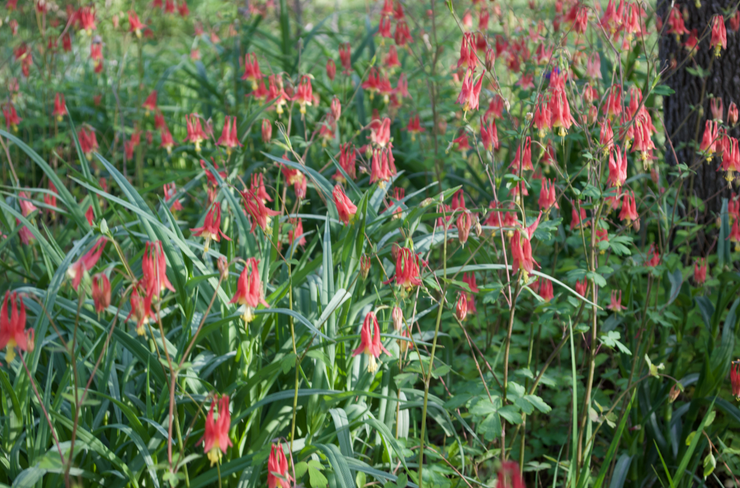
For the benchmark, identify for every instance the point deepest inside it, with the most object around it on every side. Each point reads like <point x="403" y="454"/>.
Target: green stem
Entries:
<point x="428" y="378"/>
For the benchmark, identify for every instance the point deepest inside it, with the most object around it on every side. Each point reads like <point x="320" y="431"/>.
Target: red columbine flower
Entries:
<point x="710" y="139"/>
<point x="277" y="468"/>
<point x="304" y="93"/>
<point x="730" y="158"/>
<point x="90" y="215"/>
<point x="582" y="287"/>
<point x="211" y="229"/>
<point x="461" y="307"/>
<point x="617" y="168"/>
<point x="336" y="108"/>
<point x="391" y="60"/>
<point x="700" y="271"/>
<point x="717" y="108"/>
<point x="154" y="267"/>
<point x="468" y="58"/>
<point x="347" y="158"/>
<point x="249" y="290"/>
<point x="150" y="104"/>
<point x="96" y="54"/>
<point x="365" y="265"/>
<point x="345" y="207"/>
<point x="508" y="475"/>
<point x="615" y="304"/>
<point x="521" y="251"/>
<point x="11" y="117"/>
<point x="195" y="131"/>
<point x="296" y="232"/>
<point x="101" y="291"/>
<point x="629" y="209"/>
<point x="13" y="331"/>
<point x="470" y="92"/>
<point x="183" y="9"/>
<point x="407" y="269"/>
<point x="653" y="257"/>
<point x="561" y="117"/>
<point x="229" y="138"/>
<point x="170" y="192"/>
<point x="135" y="24"/>
<point x="735" y="234"/>
<point x="577" y="217"/>
<point x="60" y="108"/>
<point x="463" y="224"/>
<point x="469" y="278"/>
<point x="489" y="134"/>
<point x="331" y="69"/>
<point x="141" y="310"/>
<point x="735" y="378"/>
<point x="256" y="209"/>
<point x="252" y="70"/>
<point x="216" y="437"/>
<point x="258" y="188"/>
<point x="414" y="127"/>
<point x="85" y="17"/>
<point x="296" y="178"/>
<point x="167" y="140"/>
<point x="345" y="57"/>
<point x="402" y="36"/>
<point x="542" y="118"/>
<point x="266" y="131"/>
<point x="606" y="136"/>
<point x="719" y="35"/>
<point x="732" y="114"/>
<point x="370" y="343"/>
<point x="27" y="206"/>
<point x="545" y="291"/>
<point x="380" y="132"/>
<point x="77" y="270"/>
<point x="547" y="195"/>
<point x="379" y="168"/>
<point x="613" y="105"/>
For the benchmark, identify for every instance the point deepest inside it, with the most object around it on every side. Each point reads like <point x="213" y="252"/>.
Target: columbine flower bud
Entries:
<point x="675" y="390"/>
<point x="101" y="292"/>
<point x="223" y="267"/>
<point x="266" y="131"/>
<point x="397" y="316"/>
<point x="461" y="309"/>
<point x="732" y="114"/>
<point x="336" y="108"/>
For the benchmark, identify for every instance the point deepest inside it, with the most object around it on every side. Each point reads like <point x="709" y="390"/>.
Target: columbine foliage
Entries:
<point x="272" y="243"/>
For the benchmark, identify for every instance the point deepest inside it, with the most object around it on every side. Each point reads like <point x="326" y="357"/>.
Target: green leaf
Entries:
<point x="709" y="464"/>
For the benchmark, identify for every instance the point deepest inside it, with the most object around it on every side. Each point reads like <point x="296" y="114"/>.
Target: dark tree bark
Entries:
<point x="686" y="111"/>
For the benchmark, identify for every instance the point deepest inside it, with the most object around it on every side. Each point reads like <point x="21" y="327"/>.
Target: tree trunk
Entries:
<point x="686" y="111"/>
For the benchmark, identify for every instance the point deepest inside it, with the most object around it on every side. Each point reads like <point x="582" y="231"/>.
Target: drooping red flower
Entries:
<point x="11" y="117"/>
<point x="50" y="199"/>
<point x="229" y="138"/>
<point x="629" y="209"/>
<point x="347" y="159"/>
<point x="13" y="331"/>
<point x="548" y="197"/>
<point x="154" y="267"/>
<point x="304" y="94"/>
<point x="296" y="232"/>
<point x="195" y="131"/>
<point x="582" y="287"/>
<point x="258" y="187"/>
<point x="216" y="437"/>
<point x="461" y="307"/>
<point x="258" y="212"/>
<point x="617" y="168"/>
<point x="86" y="263"/>
<point x="141" y="310"/>
<point x="170" y="192"/>
<point x="60" y="109"/>
<point x="134" y="24"/>
<point x="101" y="291"/>
<point x="509" y="476"/>
<point x="211" y="229"/>
<point x="150" y="104"/>
<point x="545" y="289"/>
<point x="653" y="257"/>
<point x="345" y="207"/>
<point x="700" y="271"/>
<point x="470" y="92"/>
<point x="615" y="303"/>
<point x="249" y="292"/>
<point x="370" y="342"/>
<point x="521" y="251"/>
<point x="719" y="35"/>
<point x="277" y="468"/>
